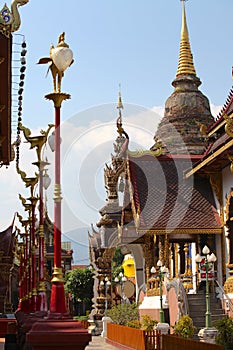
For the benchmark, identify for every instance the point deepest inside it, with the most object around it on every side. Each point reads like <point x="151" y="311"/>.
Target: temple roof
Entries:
<point x="165" y="202"/>
<point x="7" y="239"/>
<point x="227" y="109"/>
<point x="219" y="152"/>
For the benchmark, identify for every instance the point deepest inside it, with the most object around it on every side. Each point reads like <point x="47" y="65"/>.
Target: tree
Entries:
<point x="79" y="283"/>
<point x="117" y="263"/>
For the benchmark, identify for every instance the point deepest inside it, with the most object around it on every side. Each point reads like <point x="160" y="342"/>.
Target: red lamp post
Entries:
<point x="32" y="290"/>
<point x="39" y="299"/>
<point x="41" y="306"/>
<point x="61" y="58"/>
<point x="58" y="330"/>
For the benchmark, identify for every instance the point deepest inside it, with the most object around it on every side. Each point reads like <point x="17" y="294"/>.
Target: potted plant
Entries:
<point x="184" y="327"/>
<point x="225" y="333"/>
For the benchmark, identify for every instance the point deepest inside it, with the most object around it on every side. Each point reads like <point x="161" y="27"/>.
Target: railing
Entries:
<point x="226" y="297"/>
<point x="171" y="342"/>
<point x="151" y="340"/>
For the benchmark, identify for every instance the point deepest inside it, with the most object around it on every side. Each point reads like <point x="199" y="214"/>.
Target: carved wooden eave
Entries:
<point x="183" y="231"/>
<point x="220" y="155"/>
<point x="9" y="18"/>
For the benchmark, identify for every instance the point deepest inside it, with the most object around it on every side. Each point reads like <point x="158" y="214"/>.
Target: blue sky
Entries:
<point x="131" y="42"/>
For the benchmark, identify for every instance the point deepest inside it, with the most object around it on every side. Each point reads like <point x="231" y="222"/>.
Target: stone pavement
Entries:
<point x="98" y="343"/>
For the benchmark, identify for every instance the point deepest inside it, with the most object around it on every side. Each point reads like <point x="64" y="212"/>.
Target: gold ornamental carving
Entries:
<point x="9" y="18"/>
<point x="228" y="125"/>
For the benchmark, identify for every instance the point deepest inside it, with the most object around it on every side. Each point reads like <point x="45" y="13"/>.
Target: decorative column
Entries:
<point x="149" y="254"/>
<point x="208" y="333"/>
<point x="228" y="286"/>
<point x="188" y="274"/>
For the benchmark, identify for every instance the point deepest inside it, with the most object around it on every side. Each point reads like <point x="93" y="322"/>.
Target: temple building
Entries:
<point x="178" y="198"/>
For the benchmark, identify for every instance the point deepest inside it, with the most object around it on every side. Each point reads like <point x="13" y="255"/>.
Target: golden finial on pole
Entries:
<point x="61" y="57"/>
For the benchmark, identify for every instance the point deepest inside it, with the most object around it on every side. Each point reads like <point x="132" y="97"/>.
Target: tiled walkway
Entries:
<point x="98" y="343"/>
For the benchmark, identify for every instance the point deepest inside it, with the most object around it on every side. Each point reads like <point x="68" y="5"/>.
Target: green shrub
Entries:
<point x="123" y="313"/>
<point x="134" y="324"/>
<point x="184" y="327"/>
<point x="225" y="332"/>
<point x="148" y="323"/>
<point x="80" y="318"/>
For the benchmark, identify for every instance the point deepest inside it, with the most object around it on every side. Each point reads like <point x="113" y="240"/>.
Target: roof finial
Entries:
<point x="120" y="104"/>
<point x="185" y="65"/>
<point x="119" y="107"/>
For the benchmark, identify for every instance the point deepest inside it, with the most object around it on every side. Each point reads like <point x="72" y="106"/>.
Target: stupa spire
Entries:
<point x="185" y="65"/>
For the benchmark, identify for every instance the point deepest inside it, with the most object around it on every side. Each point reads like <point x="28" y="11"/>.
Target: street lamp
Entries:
<point x="107" y="285"/>
<point x="122" y="279"/>
<point x="209" y="260"/>
<point x="38" y="142"/>
<point x="60" y="59"/>
<point x="31" y="182"/>
<point x="162" y="271"/>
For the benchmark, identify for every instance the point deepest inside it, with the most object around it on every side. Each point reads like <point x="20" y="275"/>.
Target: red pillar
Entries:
<point x="33" y="259"/>
<point x="42" y="306"/>
<point x="57" y="301"/>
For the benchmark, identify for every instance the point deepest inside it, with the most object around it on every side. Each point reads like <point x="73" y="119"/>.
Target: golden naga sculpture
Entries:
<point x="52" y="60"/>
<point x="36" y="141"/>
<point x="11" y="18"/>
<point x="228" y="125"/>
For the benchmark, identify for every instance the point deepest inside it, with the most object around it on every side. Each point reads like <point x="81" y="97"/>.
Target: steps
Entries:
<point x="197" y="309"/>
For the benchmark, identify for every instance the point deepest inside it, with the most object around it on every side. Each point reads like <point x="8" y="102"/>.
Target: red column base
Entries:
<point x="57" y="301"/>
<point x="46" y="335"/>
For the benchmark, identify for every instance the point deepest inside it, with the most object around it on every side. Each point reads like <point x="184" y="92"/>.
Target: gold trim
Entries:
<point x="141" y="152"/>
<point x="133" y="207"/>
<point x="189" y="231"/>
<point x="227" y="206"/>
<point x="57" y="193"/>
<point x="58" y="275"/>
<point x="228" y="125"/>
<point x="57" y="98"/>
<point x="208" y="159"/>
<point x="212" y="132"/>
<point x="41" y="286"/>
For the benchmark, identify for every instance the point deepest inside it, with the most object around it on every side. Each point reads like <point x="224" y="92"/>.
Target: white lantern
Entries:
<point x="62" y="57"/>
<point x="153" y="269"/>
<point x="205" y="250"/>
<point x="198" y="258"/>
<point x="46" y="180"/>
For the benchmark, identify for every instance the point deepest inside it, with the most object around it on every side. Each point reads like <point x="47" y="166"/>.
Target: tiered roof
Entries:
<point x="166" y="202"/>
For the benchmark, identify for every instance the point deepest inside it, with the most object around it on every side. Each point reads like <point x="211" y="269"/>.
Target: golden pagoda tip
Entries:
<point x="185" y="65"/>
